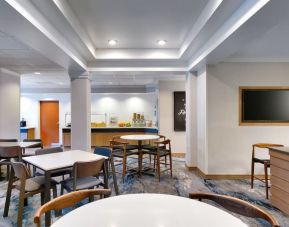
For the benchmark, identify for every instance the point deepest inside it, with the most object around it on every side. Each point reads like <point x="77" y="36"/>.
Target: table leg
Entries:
<point x="47" y="196"/>
<point x="140" y="154"/>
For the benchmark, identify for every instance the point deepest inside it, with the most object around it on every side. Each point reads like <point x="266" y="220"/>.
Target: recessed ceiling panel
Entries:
<point x="137" y="23"/>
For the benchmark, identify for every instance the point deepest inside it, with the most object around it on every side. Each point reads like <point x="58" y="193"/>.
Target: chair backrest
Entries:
<point x="34" y="140"/>
<point x="104" y="151"/>
<point x="237" y="206"/>
<point x="165" y="144"/>
<point x="264" y="145"/>
<point x="48" y="150"/>
<point x="86" y="169"/>
<point x="68" y="200"/>
<point x="20" y="170"/>
<point x="10" y="152"/>
<point x="8" y="140"/>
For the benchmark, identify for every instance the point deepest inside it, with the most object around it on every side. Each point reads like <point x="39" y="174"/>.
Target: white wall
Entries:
<point x="10" y="104"/>
<point x="229" y="145"/>
<point x="123" y="105"/>
<point x="30" y="109"/>
<point x="166" y="114"/>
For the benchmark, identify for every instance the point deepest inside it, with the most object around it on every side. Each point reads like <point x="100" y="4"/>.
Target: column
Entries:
<point x="191" y="120"/>
<point x="9" y="104"/>
<point x="80" y="113"/>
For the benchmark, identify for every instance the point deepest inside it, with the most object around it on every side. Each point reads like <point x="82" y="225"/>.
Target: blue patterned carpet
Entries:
<point x="181" y="184"/>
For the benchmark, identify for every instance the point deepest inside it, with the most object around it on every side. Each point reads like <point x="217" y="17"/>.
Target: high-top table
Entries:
<point x="140" y="139"/>
<point x="148" y="210"/>
<point x="49" y="163"/>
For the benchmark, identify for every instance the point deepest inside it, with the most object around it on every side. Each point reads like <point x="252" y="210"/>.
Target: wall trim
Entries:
<point x="201" y="174"/>
<point x="179" y="155"/>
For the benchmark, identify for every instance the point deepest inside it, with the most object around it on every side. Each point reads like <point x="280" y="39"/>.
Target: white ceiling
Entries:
<point x="137" y="23"/>
<point x="60" y="36"/>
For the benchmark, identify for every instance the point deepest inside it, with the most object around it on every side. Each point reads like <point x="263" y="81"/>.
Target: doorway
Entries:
<point x="49" y="122"/>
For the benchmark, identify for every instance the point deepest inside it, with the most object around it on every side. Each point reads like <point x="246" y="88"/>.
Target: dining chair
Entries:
<point x="30" y="151"/>
<point x="7" y="154"/>
<point x="69" y="200"/>
<point x="163" y="150"/>
<point x="128" y="146"/>
<point x="56" y="173"/>
<point x="119" y="150"/>
<point x="106" y="151"/>
<point x="265" y="162"/>
<point x="27" y="187"/>
<point x="84" y="176"/>
<point x="152" y="147"/>
<point x="237" y="206"/>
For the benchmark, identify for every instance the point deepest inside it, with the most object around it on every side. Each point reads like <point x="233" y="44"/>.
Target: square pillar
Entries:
<point x="10" y="104"/>
<point x="191" y="120"/>
<point x="80" y="113"/>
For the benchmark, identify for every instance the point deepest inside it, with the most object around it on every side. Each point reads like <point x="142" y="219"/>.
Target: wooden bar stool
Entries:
<point x="265" y="162"/>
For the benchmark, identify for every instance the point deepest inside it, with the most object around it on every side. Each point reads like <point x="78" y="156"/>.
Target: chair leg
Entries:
<point x="252" y="173"/>
<point x="54" y="191"/>
<point x="171" y="164"/>
<point x="266" y="179"/>
<point x="20" y="207"/>
<point x="123" y="167"/>
<point x="8" y="172"/>
<point x="42" y="198"/>
<point x="8" y="194"/>
<point x="159" y="167"/>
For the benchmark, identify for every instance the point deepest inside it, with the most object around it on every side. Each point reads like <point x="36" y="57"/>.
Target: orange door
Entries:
<point x="49" y="122"/>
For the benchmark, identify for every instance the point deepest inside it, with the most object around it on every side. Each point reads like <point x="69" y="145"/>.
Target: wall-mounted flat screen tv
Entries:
<point x="264" y="105"/>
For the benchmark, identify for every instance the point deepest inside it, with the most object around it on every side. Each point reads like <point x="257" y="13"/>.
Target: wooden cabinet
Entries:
<point x="279" y="158"/>
<point x="27" y="133"/>
<point x="66" y="140"/>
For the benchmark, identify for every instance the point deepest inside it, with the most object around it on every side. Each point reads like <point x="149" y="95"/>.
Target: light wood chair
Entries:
<point x="69" y="200"/>
<point x="7" y="154"/>
<point x="106" y="151"/>
<point x="27" y="186"/>
<point x="265" y="162"/>
<point x="237" y="206"/>
<point x="163" y="150"/>
<point x="84" y="176"/>
<point x="119" y="150"/>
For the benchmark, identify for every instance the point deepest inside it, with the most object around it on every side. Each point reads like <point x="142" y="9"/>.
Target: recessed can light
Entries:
<point x="112" y="42"/>
<point x="36" y="73"/>
<point x="162" y="42"/>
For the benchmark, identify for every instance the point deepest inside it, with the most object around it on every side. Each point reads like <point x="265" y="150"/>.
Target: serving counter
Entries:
<point x="279" y="159"/>
<point x="102" y="136"/>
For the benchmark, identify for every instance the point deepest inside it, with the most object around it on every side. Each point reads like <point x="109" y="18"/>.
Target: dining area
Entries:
<point x="133" y="182"/>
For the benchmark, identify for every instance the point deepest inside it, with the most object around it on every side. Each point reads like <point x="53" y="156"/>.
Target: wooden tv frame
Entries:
<point x="263" y="123"/>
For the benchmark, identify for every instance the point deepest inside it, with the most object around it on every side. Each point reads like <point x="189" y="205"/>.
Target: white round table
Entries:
<point x="148" y="210"/>
<point x="140" y="138"/>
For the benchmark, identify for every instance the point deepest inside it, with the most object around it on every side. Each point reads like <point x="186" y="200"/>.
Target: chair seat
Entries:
<point x="33" y="184"/>
<point x="81" y="183"/>
<point x="162" y="152"/>
<point x="56" y="173"/>
<point x="119" y="153"/>
<point x="128" y="147"/>
<point x="261" y="160"/>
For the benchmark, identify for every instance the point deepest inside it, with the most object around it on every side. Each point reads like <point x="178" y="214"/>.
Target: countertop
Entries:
<point x="284" y="150"/>
<point x="119" y="129"/>
<point x="26" y="127"/>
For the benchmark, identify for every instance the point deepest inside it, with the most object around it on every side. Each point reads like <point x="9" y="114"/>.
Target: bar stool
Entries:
<point x="265" y="162"/>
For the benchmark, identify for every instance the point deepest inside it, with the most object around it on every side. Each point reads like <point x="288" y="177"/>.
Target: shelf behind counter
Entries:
<point x="102" y="136"/>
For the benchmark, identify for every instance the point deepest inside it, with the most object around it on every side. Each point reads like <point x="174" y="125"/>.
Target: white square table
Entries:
<point x="49" y="163"/>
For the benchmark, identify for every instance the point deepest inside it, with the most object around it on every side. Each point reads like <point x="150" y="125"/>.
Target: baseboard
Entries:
<point x="178" y="155"/>
<point x="201" y="174"/>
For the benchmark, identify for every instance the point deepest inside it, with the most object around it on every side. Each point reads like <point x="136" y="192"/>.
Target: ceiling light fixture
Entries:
<point x="112" y="42"/>
<point x="36" y="73"/>
<point x="162" y="42"/>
